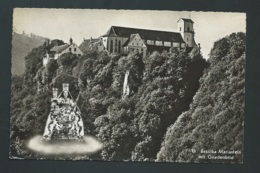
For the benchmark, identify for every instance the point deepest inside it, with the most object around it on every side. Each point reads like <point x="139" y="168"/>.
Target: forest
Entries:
<point x="177" y="101"/>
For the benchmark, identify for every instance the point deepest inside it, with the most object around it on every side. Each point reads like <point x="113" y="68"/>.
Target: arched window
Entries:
<point x="119" y="46"/>
<point x="115" y="45"/>
<point x="111" y="46"/>
<point x="188" y="29"/>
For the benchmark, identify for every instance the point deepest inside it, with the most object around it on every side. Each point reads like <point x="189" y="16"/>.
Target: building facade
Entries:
<point x="186" y="30"/>
<point x="124" y="40"/>
<point x="57" y="51"/>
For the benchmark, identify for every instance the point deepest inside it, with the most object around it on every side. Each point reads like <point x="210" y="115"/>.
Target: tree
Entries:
<point x="215" y="118"/>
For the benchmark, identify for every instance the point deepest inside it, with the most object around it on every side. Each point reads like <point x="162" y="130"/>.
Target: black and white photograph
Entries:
<point x="128" y="85"/>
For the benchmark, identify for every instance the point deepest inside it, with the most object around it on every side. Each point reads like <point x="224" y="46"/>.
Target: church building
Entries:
<point x="124" y="40"/>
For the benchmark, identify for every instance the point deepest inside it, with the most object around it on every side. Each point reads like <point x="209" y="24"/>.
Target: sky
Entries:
<point x="85" y="23"/>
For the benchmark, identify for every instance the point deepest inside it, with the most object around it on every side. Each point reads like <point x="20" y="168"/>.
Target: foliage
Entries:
<point x="68" y="59"/>
<point x="51" y="68"/>
<point x="161" y="88"/>
<point x="215" y="118"/>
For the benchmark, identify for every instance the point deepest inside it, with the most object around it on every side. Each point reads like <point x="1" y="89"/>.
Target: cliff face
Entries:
<point x="22" y="44"/>
<point x="216" y="115"/>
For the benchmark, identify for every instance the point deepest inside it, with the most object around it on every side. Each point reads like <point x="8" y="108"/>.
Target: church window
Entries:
<point x="111" y="46"/>
<point x="158" y="43"/>
<point x="150" y="42"/>
<point x="166" y="43"/>
<point x="119" y="46"/>
<point x="115" y="45"/>
<point x="188" y="29"/>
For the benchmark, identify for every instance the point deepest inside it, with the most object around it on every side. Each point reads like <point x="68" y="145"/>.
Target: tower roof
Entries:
<point x="185" y="20"/>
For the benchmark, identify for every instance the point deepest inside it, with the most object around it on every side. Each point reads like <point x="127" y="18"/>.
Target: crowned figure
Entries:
<point x="64" y="120"/>
<point x="65" y="98"/>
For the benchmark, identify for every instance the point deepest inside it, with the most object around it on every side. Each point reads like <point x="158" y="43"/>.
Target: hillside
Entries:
<point x="215" y="119"/>
<point x="22" y="44"/>
<point x="161" y="87"/>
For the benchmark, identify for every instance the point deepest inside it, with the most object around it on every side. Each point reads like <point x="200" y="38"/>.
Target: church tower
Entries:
<point x="185" y="27"/>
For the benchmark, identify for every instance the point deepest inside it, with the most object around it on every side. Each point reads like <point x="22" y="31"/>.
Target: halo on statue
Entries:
<point x="89" y="145"/>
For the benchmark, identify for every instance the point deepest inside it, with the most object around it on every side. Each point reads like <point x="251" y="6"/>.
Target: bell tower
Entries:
<point x="185" y="27"/>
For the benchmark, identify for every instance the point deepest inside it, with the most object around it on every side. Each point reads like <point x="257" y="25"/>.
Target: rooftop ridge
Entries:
<point x="144" y="29"/>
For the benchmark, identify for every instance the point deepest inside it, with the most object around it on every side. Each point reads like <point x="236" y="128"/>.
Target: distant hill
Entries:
<point x="22" y="44"/>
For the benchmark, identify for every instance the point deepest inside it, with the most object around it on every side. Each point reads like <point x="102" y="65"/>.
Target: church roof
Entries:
<point x="185" y="20"/>
<point x="84" y="46"/>
<point x="145" y="34"/>
<point x="89" y="44"/>
<point x="58" y="49"/>
<point x="126" y="43"/>
<point x="132" y="36"/>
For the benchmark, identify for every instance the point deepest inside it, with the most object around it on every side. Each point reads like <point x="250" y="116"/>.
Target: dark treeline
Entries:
<point x="215" y="119"/>
<point x="162" y="86"/>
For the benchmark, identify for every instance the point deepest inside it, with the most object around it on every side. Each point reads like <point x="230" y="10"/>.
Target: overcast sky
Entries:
<point x="85" y="23"/>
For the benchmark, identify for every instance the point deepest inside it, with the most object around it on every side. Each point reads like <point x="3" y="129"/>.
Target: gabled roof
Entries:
<point x="185" y="20"/>
<point x="58" y="49"/>
<point x="145" y="34"/>
<point x="126" y="43"/>
<point x="132" y="36"/>
<point x="89" y="44"/>
<point x="84" y="46"/>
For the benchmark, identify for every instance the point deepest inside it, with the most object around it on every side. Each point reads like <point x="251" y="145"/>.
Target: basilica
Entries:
<point x="124" y="40"/>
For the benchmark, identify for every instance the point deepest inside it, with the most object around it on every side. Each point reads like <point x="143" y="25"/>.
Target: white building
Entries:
<point x="186" y="30"/>
<point x="57" y="51"/>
